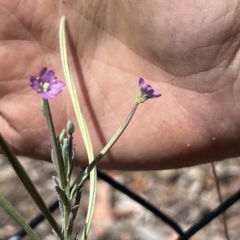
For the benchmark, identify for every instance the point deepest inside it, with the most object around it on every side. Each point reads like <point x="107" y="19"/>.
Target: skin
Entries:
<point x="187" y="50"/>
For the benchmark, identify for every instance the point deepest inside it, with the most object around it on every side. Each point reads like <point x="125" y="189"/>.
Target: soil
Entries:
<point x="184" y="194"/>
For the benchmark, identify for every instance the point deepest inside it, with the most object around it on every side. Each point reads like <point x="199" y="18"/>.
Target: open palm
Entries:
<point x="187" y="51"/>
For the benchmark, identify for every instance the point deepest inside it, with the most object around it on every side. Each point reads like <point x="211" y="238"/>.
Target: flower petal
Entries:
<point x="32" y="79"/>
<point x="36" y="88"/>
<point x="149" y="91"/>
<point x="156" y="94"/>
<point x="48" y="95"/>
<point x="140" y="81"/>
<point x="58" y="84"/>
<point x="42" y="72"/>
<point x="57" y="87"/>
<point x="55" y="91"/>
<point x="35" y="85"/>
<point x="50" y="76"/>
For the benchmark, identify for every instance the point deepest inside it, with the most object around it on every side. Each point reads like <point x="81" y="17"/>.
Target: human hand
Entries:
<point x="187" y="51"/>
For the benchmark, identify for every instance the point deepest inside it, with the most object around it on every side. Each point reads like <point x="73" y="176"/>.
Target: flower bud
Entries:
<point x="62" y="136"/>
<point x="70" y="127"/>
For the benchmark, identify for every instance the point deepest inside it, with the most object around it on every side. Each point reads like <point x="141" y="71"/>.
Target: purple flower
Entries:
<point x="47" y="84"/>
<point x="146" y="91"/>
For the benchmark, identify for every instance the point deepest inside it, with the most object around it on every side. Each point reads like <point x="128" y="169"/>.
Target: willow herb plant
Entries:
<point x="62" y="154"/>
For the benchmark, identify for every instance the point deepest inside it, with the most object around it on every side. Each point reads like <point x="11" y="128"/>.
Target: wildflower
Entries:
<point x="146" y="92"/>
<point x="47" y="84"/>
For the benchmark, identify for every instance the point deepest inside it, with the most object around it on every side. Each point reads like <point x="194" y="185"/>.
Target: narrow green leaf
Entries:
<point x="74" y="211"/>
<point x="62" y="195"/>
<point x="64" y="153"/>
<point x="82" y="124"/>
<point x="85" y="235"/>
<point x="70" y="225"/>
<point x="62" y="136"/>
<point x="72" y="217"/>
<point x="55" y="179"/>
<point x="61" y="207"/>
<point x="54" y="162"/>
<point x="78" y="196"/>
<point x="17" y="217"/>
<point x="28" y="184"/>
<point x="71" y="157"/>
<point x="73" y="191"/>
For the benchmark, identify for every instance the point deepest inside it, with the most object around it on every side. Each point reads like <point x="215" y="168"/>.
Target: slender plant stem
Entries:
<point x="56" y="151"/>
<point x="60" y="167"/>
<point x="67" y="210"/>
<point x="120" y="131"/>
<point x="220" y="199"/>
<point x="108" y="146"/>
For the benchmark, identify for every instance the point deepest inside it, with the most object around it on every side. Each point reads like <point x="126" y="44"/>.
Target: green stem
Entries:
<point x="67" y="210"/>
<point x="17" y="217"/>
<point x="107" y="147"/>
<point x="56" y="151"/>
<point x="29" y="185"/>
<point x="119" y="132"/>
<point x="59" y="165"/>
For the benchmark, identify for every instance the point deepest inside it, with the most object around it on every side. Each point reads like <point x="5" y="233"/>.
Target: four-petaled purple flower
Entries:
<point x="47" y="84"/>
<point x="146" y="91"/>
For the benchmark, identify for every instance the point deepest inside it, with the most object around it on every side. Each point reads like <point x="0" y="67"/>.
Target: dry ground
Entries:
<point x="184" y="194"/>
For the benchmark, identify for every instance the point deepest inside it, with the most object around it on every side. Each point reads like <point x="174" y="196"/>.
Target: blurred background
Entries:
<point x="184" y="194"/>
